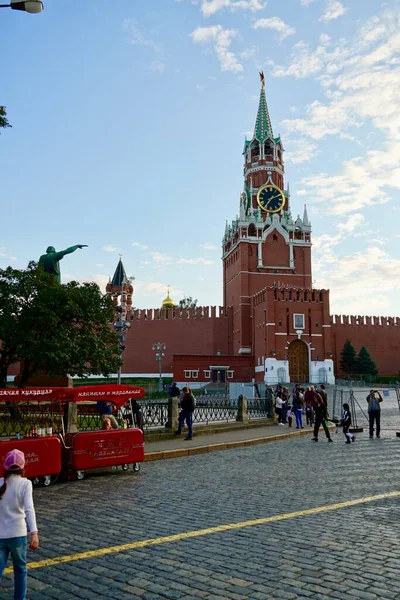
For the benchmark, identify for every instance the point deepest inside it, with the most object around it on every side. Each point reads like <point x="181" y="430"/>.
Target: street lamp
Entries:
<point x="158" y="347"/>
<point x="29" y="6"/>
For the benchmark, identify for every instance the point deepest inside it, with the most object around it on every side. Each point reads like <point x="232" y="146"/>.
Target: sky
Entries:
<point x="128" y="121"/>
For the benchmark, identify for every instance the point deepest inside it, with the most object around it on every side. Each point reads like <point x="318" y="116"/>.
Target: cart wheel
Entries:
<point x="47" y="480"/>
<point x="136" y="466"/>
<point x="36" y="481"/>
<point x="125" y="467"/>
<point x="80" y="475"/>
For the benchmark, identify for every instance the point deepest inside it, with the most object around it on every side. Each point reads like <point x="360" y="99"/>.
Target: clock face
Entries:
<point x="270" y="198"/>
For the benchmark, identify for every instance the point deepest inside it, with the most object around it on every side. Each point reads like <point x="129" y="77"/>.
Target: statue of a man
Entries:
<point x="50" y="261"/>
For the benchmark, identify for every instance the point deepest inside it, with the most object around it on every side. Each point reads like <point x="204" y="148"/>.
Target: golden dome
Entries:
<point x="168" y="302"/>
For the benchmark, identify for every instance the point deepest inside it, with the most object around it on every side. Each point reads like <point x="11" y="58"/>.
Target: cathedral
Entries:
<point x="273" y="327"/>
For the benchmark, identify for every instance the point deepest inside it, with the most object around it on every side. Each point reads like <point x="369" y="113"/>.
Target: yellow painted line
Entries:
<point x="57" y="560"/>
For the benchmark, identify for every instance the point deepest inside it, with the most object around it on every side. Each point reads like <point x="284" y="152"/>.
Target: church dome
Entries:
<point x="168" y="302"/>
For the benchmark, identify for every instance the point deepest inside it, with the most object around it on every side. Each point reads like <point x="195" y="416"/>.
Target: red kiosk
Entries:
<point x="53" y="450"/>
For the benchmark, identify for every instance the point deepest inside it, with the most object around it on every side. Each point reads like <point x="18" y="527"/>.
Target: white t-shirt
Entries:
<point x="16" y="505"/>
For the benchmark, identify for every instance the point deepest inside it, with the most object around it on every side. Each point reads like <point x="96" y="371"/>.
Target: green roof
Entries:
<point x="263" y="127"/>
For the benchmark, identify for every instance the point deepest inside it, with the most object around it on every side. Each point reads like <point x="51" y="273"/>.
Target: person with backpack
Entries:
<point x="16" y="505"/>
<point x="187" y="405"/>
<point x="374" y="400"/>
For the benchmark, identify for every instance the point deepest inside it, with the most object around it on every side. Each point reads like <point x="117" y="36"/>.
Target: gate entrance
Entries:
<point x="298" y="362"/>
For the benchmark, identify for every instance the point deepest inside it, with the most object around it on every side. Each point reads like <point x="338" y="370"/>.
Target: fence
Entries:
<point x="25" y="419"/>
<point x="357" y="400"/>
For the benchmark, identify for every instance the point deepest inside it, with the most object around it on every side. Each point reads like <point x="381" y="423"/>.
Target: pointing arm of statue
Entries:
<point x="70" y="250"/>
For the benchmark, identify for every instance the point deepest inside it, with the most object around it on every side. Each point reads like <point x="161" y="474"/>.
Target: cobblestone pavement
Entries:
<point x="351" y="552"/>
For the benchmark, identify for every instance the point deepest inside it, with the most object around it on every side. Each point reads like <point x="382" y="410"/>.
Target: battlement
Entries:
<point x="289" y="294"/>
<point x="176" y="314"/>
<point x="364" y="321"/>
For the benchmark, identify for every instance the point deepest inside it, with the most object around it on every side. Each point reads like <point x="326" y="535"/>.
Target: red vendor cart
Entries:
<point x="34" y="420"/>
<point x="87" y="450"/>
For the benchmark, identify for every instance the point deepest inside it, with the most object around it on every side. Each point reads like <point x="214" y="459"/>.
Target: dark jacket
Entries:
<point x="321" y="410"/>
<point x="174" y="391"/>
<point x="187" y="403"/>
<point x="346" y="419"/>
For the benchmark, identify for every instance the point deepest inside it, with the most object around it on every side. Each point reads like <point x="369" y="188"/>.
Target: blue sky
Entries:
<point x="128" y="125"/>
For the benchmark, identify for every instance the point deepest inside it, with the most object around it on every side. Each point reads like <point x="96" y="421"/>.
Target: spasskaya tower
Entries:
<point x="265" y="248"/>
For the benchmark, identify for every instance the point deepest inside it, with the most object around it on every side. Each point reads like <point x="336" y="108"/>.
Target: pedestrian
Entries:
<point x="289" y="414"/>
<point x="174" y="390"/>
<point x="278" y="407"/>
<point x="321" y="418"/>
<point x="298" y="408"/>
<point x="374" y="400"/>
<point x="16" y="505"/>
<point x="285" y="402"/>
<point x="133" y="417"/>
<point x="186" y="414"/>
<point x="346" y="422"/>
<point x="309" y="413"/>
<point x="105" y="410"/>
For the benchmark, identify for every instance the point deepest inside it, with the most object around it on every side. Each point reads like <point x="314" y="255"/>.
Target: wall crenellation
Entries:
<point x="365" y="321"/>
<point x="175" y="314"/>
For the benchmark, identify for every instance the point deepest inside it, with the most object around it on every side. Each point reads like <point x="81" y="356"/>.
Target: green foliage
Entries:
<point x="3" y="118"/>
<point x="348" y="359"/>
<point x="52" y="328"/>
<point x="366" y="365"/>
<point x="187" y="303"/>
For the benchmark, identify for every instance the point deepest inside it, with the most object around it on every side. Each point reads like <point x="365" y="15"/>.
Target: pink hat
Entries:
<point x="14" y="458"/>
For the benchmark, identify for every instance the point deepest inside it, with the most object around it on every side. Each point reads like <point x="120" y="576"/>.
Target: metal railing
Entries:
<point x="260" y="408"/>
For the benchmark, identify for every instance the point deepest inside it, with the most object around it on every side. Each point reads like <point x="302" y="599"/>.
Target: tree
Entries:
<point x="3" y="118"/>
<point x="348" y="359"/>
<point x="366" y="365"/>
<point x="187" y="303"/>
<point x="52" y="328"/>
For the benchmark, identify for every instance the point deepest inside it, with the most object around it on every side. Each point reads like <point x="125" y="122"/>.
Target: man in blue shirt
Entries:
<point x="106" y="413"/>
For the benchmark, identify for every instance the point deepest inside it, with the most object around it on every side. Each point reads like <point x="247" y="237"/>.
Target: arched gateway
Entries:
<point x="298" y="361"/>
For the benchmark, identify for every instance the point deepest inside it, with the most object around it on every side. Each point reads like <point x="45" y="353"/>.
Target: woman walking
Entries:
<point x="298" y="407"/>
<point x="16" y="505"/>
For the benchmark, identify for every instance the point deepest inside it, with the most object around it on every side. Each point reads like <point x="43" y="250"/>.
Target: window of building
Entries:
<point x="195" y="374"/>
<point x="187" y="374"/>
<point x="207" y="374"/>
<point x="298" y="321"/>
<point x="229" y="374"/>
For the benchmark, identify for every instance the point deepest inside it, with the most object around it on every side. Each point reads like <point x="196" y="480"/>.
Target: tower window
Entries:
<point x="275" y="237"/>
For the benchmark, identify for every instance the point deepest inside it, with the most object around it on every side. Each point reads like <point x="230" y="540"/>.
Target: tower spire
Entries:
<point x="305" y="217"/>
<point x="263" y="127"/>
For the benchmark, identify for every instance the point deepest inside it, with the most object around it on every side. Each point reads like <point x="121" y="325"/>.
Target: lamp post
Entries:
<point x="158" y="347"/>
<point x="30" y="6"/>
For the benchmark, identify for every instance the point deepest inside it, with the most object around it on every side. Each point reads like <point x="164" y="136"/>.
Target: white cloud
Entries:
<point x="360" y="79"/>
<point x="306" y="2"/>
<point x="360" y="282"/>
<point x="351" y="223"/>
<point x="138" y="37"/>
<point x="222" y="39"/>
<point x="210" y="7"/>
<point x="194" y="261"/>
<point x="140" y="246"/>
<point x="248" y="52"/>
<point x="109" y="249"/>
<point x="211" y="247"/>
<point x="275" y="24"/>
<point x="301" y="150"/>
<point x="333" y="10"/>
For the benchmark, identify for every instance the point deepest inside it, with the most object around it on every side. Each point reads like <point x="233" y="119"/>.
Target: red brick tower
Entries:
<point x="266" y="248"/>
